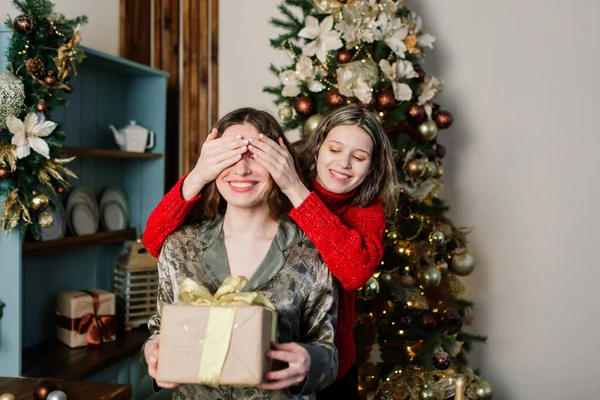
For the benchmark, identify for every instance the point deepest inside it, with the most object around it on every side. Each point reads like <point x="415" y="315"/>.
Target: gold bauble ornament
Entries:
<point x="484" y="390"/>
<point x="430" y="277"/>
<point x="430" y="169"/>
<point x="311" y="124"/>
<point x="39" y="202"/>
<point x="445" y="229"/>
<point x="439" y="171"/>
<point x="285" y="113"/>
<point x="407" y="280"/>
<point x="46" y="220"/>
<point x="428" y="130"/>
<point x="463" y="262"/>
<point x="415" y="168"/>
<point x="436" y="237"/>
<point x="7" y="396"/>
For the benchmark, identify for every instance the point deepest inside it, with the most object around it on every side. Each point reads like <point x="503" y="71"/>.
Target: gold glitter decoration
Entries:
<point x="54" y="168"/>
<point x="13" y="211"/>
<point x="454" y="285"/>
<point x="8" y="156"/>
<point x="68" y="56"/>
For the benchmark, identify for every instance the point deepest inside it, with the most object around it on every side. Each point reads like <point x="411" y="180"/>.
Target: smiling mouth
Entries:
<point x="242" y="186"/>
<point x="341" y="177"/>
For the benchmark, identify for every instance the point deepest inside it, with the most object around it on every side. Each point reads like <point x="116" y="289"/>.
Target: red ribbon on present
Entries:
<point x="97" y="327"/>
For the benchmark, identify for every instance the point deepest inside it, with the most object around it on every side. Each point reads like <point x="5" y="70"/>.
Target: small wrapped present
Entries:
<point x="216" y="340"/>
<point x="85" y="317"/>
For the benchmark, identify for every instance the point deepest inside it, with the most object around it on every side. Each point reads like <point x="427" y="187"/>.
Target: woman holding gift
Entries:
<point x="254" y="239"/>
<point x="348" y="163"/>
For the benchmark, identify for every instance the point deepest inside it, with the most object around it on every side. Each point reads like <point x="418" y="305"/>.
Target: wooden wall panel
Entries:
<point x="192" y="100"/>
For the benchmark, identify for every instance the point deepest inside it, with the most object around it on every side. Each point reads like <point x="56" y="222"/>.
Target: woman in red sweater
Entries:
<point x="348" y="163"/>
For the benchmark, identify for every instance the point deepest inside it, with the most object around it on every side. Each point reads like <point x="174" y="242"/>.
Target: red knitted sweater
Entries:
<point x="349" y="238"/>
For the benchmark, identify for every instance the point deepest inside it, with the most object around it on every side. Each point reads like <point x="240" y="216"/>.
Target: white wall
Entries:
<point x="522" y="81"/>
<point x="102" y="30"/>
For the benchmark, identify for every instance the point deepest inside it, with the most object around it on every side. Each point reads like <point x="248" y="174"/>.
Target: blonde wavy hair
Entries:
<point x="382" y="180"/>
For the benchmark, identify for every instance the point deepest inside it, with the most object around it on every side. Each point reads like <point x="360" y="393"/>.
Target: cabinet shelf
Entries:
<point x="36" y="249"/>
<point x="108" y="153"/>
<point x="55" y="360"/>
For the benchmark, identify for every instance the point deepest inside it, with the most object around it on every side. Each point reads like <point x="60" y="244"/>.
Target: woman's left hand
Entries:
<point x="279" y="162"/>
<point x="299" y="361"/>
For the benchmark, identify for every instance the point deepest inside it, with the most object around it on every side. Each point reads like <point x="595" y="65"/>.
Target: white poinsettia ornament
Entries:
<point x="357" y="79"/>
<point x="416" y="28"/>
<point x="429" y="89"/>
<point x="324" y="38"/>
<point x="304" y="72"/>
<point x="393" y="33"/>
<point x="401" y="69"/>
<point x="29" y="133"/>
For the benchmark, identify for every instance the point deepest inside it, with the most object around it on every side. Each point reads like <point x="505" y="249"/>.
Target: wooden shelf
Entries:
<point x="36" y="249"/>
<point x="55" y="360"/>
<point x="107" y="153"/>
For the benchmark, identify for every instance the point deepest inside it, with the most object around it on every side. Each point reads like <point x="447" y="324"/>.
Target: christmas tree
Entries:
<point x="410" y="315"/>
<point x="42" y="57"/>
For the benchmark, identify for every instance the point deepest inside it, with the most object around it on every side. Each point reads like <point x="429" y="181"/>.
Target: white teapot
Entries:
<point x="133" y="137"/>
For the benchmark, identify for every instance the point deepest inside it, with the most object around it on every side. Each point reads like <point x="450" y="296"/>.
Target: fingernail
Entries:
<point x="243" y="148"/>
<point x="251" y="140"/>
<point x="245" y="141"/>
<point x="261" y="136"/>
<point x="251" y="147"/>
<point x="238" y="137"/>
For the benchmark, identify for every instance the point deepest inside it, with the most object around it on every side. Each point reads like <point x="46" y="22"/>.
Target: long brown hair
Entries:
<point x="275" y="203"/>
<point x="382" y="180"/>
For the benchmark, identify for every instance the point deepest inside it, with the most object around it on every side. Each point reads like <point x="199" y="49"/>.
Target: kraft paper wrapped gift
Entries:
<point x="218" y="340"/>
<point x="85" y="317"/>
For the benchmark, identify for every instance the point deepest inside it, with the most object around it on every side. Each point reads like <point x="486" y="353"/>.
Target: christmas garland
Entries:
<point x="42" y="56"/>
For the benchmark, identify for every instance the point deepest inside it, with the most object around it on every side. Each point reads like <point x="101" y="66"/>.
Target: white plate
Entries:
<point x="116" y="194"/>
<point x="83" y="220"/>
<point x="82" y="196"/>
<point x="113" y="216"/>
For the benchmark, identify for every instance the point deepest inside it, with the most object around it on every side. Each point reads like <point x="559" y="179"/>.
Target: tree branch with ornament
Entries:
<point x="43" y="55"/>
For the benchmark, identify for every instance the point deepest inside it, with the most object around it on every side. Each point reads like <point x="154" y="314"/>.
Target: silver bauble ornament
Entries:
<point x="428" y="130"/>
<point x="12" y="96"/>
<point x="285" y="113"/>
<point x="57" y="395"/>
<point x="46" y="220"/>
<point x="311" y="124"/>
<point x="430" y="277"/>
<point x="462" y="262"/>
<point x="436" y="237"/>
<point x="442" y="265"/>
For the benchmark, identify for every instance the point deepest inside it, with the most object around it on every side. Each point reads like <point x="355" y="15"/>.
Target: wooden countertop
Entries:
<point x="22" y="389"/>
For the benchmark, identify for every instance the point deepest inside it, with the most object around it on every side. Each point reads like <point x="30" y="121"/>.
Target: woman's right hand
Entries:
<point x="216" y="155"/>
<point x="151" y="355"/>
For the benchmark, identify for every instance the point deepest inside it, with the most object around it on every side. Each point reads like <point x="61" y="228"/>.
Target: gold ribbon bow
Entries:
<point x="220" y="320"/>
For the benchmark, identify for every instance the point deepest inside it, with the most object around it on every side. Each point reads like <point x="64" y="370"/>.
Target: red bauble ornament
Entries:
<point x="344" y="56"/>
<point x="386" y="100"/>
<point x="304" y="105"/>
<point x="50" y="80"/>
<point x="43" y="390"/>
<point x="421" y="74"/>
<point x="443" y="119"/>
<point x="334" y="99"/>
<point x="4" y="173"/>
<point x="440" y="151"/>
<point x="41" y="107"/>
<point x="416" y="112"/>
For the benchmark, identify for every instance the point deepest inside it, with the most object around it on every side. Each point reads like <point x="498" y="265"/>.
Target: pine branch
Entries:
<point x="288" y="13"/>
<point x="283" y="24"/>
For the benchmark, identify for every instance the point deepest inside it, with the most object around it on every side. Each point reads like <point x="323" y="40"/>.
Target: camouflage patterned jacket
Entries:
<point x="293" y="277"/>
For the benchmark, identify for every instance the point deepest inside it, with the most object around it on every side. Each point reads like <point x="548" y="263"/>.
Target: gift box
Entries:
<point x="221" y="340"/>
<point x="85" y="317"/>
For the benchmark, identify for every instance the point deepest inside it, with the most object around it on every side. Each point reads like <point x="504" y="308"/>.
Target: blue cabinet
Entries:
<point x="107" y="90"/>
